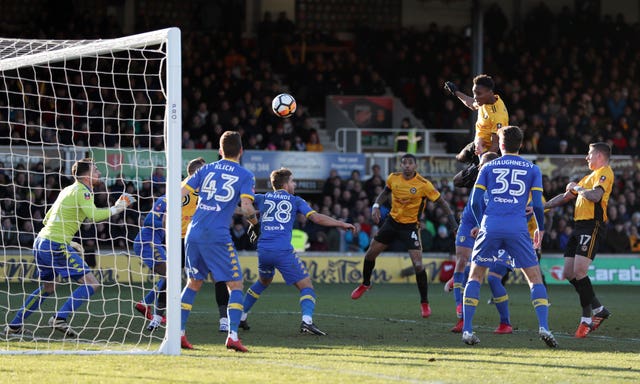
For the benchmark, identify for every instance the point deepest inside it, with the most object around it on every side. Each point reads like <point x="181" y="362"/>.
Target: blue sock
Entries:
<point x="78" y="297"/>
<point x="540" y="302"/>
<point x="467" y="269"/>
<point x="234" y="309"/>
<point x="253" y="294"/>
<point x="150" y="298"/>
<point x="186" y="303"/>
<point x="469" y="304"/>
<point x="31" y="304"/>
<point x="307" y="301"/>
<point x="458" y="286"/>
<point x="500" y="298"/>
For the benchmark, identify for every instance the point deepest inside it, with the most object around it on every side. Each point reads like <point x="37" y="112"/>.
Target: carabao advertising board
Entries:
<point x="615" y="270"/>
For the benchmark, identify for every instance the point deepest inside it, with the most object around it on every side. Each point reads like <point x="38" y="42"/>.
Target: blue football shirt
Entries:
<point x="278" y="211"/>
<point x="153" y="229"/>
<point x="221" y="184"/>
<point x="506" y="183"/>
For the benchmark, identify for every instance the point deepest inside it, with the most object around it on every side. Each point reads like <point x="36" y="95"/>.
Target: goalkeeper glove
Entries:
<point x="122" y="203"/>
<point x="450" y="87"/>
<point x="78" y="247"/>
<point x="254" y="232"/>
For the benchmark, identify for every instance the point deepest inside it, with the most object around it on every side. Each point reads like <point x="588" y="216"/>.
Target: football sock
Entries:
<point x="423" y="286"/>
<point x="253" y="294"/>
<point x="467" y="270"/>
<point x="31" y="304"/>
<point x="307" y="303"/>
<point x="540" y="302"/>
<point x="77" y="298"/>
<point x="585" y="291"/>
<point x="367" y="269"/>
<point x="458" y="284"/>
<point x="161" y="303"/>
<point x="186" y="303"/>
<point x="469" y="304"/>
<point x="150" y="297"/>
<point x="595" y="303"/>
<point x="505" y="277"/>
<point x="234" y="311"/>
<point x="222" y="297"/>
<point x="500" y="298"/>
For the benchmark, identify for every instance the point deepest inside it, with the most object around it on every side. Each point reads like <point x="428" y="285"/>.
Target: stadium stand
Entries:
<point x="576" y="88"/>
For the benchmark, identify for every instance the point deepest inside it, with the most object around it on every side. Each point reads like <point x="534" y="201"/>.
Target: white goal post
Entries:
<point x="119" y="102"/>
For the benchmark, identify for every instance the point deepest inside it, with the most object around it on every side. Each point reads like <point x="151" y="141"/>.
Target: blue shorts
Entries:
<point x="150" y="253"/>
<point x="463" y="237"/>
<point x="502" y="262"/>
<point x="287" y="263"/>
<point x="219" y="259"/>
<point x="58" y="259"/>
<point x="516" y="244"/>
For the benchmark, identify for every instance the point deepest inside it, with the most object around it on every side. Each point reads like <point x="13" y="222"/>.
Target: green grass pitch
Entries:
<point x="377" y="339"/>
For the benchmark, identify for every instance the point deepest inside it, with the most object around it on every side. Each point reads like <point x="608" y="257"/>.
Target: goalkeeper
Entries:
<point x="57" y="255"/>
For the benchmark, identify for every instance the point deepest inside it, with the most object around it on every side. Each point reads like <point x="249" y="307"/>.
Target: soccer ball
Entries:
<point x="283" y="105"/>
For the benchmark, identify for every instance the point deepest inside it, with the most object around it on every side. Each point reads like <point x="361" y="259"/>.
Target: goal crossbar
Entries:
<point x="58" y="50"/>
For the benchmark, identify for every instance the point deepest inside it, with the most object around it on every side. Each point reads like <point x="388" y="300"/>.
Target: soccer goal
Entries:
<point x="119" y="102"/>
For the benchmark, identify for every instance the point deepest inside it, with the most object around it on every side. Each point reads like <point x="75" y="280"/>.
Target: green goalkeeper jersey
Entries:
<point x="74" y="204"/>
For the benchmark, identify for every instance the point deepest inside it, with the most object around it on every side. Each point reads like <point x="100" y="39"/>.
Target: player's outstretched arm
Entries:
<point x="122" y="203"/>
<point x="559" y="200"/>
<point x="328" y="221"/>
<point x="468" y="101"/>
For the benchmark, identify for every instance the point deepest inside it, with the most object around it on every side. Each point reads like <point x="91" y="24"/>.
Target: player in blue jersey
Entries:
<point x="149" y="245"/>
<point x="221" y="186"/>
<point x="499" y="268"/>
<point x="189" y="204"/>
<point x="56" y="254"/>
<point x="278" y="212"/>
<point x="507" y="183"/>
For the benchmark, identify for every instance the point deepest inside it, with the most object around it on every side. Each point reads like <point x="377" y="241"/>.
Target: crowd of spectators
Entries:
<point x="566" y="85"/>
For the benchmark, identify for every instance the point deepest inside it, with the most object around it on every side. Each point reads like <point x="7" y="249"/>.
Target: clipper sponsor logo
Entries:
<point x="214" y="208"/>
<point x="503" y="200"/>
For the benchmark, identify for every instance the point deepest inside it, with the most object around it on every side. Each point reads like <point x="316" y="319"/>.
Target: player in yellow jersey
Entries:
<point x="590" y="215"/>
<point x="408" y="192"/>
<point x="492" y="113"/>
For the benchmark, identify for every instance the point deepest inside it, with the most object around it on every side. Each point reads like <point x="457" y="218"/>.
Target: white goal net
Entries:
<point x="118" y="102"/>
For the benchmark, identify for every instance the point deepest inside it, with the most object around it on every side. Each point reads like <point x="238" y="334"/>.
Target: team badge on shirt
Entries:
<point x="603" y="178"/>
<point x="413" y="191"/>
<point x="87" y="196"/>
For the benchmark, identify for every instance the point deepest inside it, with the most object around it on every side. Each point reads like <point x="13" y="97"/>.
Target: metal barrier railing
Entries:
<point x="359" y="140"/>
